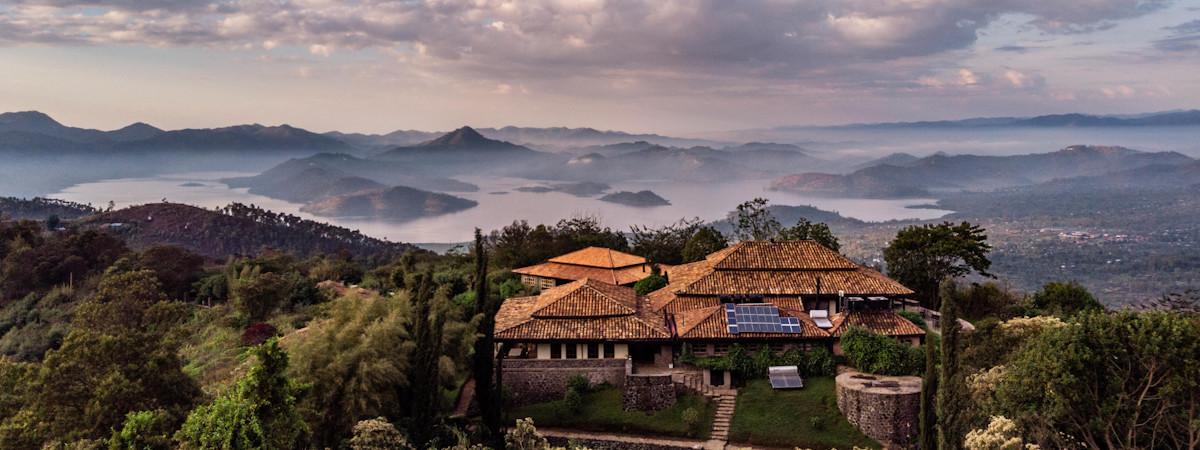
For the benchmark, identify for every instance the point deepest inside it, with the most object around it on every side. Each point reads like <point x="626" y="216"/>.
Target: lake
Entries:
<point x="707" y="201"/>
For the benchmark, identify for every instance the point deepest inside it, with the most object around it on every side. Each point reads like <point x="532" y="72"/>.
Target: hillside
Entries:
<point x="12" y="208"/>
<point x="396" y="203"/>
<point x="697" y="164"/>
<point x="306" y="179"/>
<point x="239" y="137"/>
<point x="237" y="230"/>
<point x="639" y="199"/>
<point x="945" y="173"/>
<point x="466" y="151"/>
<point x="1071" y="120"/>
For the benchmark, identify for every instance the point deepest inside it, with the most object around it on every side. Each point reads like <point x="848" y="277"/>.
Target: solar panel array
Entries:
<point x="785" y="377"/>
<point x="759" y="318"/>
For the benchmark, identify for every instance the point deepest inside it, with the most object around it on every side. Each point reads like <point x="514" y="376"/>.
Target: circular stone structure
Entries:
<point x="886" y="409"/>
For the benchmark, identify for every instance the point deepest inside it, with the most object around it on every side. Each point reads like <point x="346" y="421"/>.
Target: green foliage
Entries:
<point x="1063" y="299"/>
<point x="705" y="240"/>
<point x="818" y="361"/>
<point x="32" y="263"/>
<point x="524" y="436"/>
<point x="144" y="430"/>
<point x="256" y="294"/>
<point x="520" y="244"/>
<point x="357" y="361"/>
<point x="573" y="400"/>
<point x="579" y="383"/>
<point x="258" y="413"/>
<point x="927" y="434"/>
<point x="1107" y="380"/>
<point x="650" y="284"/>
<point x="914" y="317"/>
<point x="817" y="423"/>
<point x="177" y="269"/>
<point x="512" y="288"/>
<point x="979" y="301"/>
<point x="752" y="221"/>
<point x="377" y="434"/>
<point x="953" y="400"/>
<point x="804" y="230"/>
<point x="922" y="256"/>
<point x="666" y="244"/>
<point x="120" y="357"/>
<point x="879" y="354"/>
<point x="690" y="417"/>
<point x="428" y="325"/>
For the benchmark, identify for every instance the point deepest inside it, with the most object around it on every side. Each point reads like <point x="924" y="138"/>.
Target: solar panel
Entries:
<point x="785" y="377"/>
<point x="759" y="318"/>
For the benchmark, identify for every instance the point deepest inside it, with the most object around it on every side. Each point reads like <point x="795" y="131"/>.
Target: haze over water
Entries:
<point x="705" y="200"/>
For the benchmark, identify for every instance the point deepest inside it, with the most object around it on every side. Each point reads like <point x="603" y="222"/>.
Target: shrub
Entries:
<point x="875" y="353"/>
<point x="377" y="434"/>
<point x="650" y="284"/>
<point x="819" y="362"/>
<point x="690" y="418"/>
<point x="258" y="333"/>
<point x="579" y="383"/>
<point x="573" y="400"/>
<point x="913" y="317"/>
<point x="817" y="422"/>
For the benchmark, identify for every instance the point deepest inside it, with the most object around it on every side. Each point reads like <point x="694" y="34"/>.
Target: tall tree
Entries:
<point x="705" y="240"/>
<point x="121" y="356"/>
<point x="665" y="244"/>
<point x="258" y="413"/>
<point x="752" y="221"/>
<point x="484" y="366"/>
<point x="806" y="230"/>
<point x="929" y="387"/>
<point x="426" y="384"/>
<point x="952" y="400"/>
<point x="1064" y="299"/>
<point x="923" y="256"/>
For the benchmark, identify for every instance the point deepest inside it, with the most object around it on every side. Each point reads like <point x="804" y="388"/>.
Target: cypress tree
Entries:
<point x="425" y="383"/>
<point x="929" y="388"/>
<point x="950" y="399"/>
<point x="484" y="367"/>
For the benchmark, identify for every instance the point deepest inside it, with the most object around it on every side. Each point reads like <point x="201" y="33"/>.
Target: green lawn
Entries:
<point x="784" y="418"/>
<point x="602" y="411"/>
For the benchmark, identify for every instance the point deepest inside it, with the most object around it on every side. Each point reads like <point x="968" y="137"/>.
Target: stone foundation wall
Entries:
<point x="648" y="392"/>
<point x="884" y="408"/>
<point x="539" y="380"/>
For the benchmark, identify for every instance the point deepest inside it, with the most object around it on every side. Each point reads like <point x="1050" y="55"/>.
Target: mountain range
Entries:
<point x="1166" y="118"/>
<point x="949" y="173"/>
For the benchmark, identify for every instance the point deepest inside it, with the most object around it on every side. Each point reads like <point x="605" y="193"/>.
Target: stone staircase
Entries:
<point x="693" y="381"/>
<point x="725" y="406"/>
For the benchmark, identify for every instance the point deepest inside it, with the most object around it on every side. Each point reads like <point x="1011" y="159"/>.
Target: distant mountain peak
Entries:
<point x="28" y="119"/>
<point x="462" y="137"/>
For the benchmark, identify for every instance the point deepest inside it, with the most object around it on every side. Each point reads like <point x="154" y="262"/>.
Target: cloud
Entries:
<point x="632" y="47"/>
<point x="1184" y="37"/>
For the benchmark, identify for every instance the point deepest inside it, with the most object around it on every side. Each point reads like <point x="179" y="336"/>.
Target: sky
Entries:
<point x="664" y="66"/>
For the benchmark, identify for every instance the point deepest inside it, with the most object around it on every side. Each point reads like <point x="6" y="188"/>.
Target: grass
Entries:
<point x="602" y="411"/>
<point x="785" y="418"/>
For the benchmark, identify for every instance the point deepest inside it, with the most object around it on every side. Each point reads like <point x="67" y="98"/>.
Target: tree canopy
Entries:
<point x="922" y="256"/>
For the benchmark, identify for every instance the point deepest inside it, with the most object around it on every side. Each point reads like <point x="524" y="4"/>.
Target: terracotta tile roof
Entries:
<point x="585" y="298"/>
<point x="731" y="271"/>
<point x="792" y="255"/>
<point x="745" y="282"/>
<point x="599" y="257"/>
<point x="518" y="318"/>
<point x="711" y="323"/>
<point x="887" y="323"/>
<point x="560" y="271"/>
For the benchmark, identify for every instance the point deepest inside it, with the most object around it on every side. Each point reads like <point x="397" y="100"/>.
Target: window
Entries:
<point x="572" y="351"/>
<point x="777" y="347"/>
<point x="555" y="351"/>
<point x="720" y="349"/>
<point x="700" y="349"/>
<point x="593" y="351"/>
<point x="610" y="350"/>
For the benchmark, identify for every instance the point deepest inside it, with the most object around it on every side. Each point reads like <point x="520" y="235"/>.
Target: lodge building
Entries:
<point x="780" y="295"/>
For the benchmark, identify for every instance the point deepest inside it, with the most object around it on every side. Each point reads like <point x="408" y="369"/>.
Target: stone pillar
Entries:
<point x="887" y="409"/>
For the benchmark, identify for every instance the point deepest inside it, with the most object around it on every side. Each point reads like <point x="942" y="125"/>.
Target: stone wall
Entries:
<point x="884" y="408"/>
<point x="648" y="392"/>
<point x="540" y="380"/>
